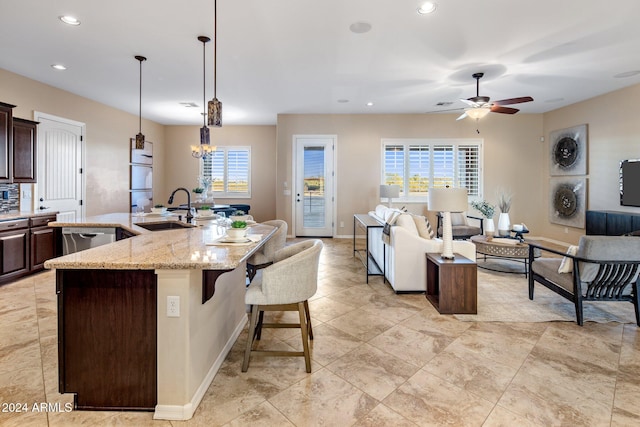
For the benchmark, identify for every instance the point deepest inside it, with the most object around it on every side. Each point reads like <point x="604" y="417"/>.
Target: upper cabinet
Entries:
<point x="24" y="150"/>
<point x="18" y="141"/>
<point x="6" y="141"/>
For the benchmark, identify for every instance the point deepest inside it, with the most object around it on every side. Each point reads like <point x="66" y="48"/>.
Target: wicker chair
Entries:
<point x="605" y="268"/>
<point x="264" y="257"/>
<point x="285" y="285"/>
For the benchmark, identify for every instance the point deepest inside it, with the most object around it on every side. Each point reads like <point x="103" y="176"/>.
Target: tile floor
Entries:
<point x="379" y="359"/>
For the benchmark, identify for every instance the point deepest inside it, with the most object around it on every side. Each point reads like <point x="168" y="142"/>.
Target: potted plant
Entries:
<point x="487" y="210"/>
<point x="239" y="215"/>
<point x="205" y="211"/>
<point x="504" y="222"/>
<point x="238" y="230"/>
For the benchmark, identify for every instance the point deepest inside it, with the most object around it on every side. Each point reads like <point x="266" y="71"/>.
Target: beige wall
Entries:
<point x="182" y="170"/>
<point x="107" y="139"/>
<point x="613" y="135"/>
<point x="512" y="155"/>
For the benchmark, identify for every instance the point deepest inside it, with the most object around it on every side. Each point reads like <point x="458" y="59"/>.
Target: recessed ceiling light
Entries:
<point x="427" y="8"/>
<point x="70" y="20"/>
<point x="58" y="67"/>
<point x="369" y="104"/>
<point x="627" y="74"/>
<point x="360" y="27"/>
<point x="189" y="104"/>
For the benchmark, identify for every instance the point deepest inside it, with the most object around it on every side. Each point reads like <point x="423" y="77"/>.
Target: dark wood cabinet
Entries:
<point x="107" y="345"/>
<point x="6" y="142"/>
<point x="452" y="284"/>
<point x="44" y="241"/>
<point x="24" y="150"/>
<point x="14" y="249"/>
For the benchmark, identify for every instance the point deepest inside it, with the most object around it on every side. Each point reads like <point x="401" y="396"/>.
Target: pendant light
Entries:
<point x="215" y="106"/>
<point x="140" y="136"/>
<point x="205" y="147"/>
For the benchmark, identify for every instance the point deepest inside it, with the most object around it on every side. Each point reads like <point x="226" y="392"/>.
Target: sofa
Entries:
<point x="404" y="257"/>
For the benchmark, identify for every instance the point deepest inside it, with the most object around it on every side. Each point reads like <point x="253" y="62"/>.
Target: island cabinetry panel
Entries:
<point x="14" y="249"/>
<point x="44" y="241"/>
<point x="107" y="327"/>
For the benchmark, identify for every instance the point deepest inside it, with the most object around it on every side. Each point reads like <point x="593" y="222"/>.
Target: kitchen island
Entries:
<point x="144" y="323"/>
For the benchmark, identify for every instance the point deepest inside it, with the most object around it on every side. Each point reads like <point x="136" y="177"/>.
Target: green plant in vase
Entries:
<point x="238" y="230"/>
<point x="487" y="210"/>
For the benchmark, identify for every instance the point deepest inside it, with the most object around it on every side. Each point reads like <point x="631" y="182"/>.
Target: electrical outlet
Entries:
<point x="341" y="224"/>
<point x="173" y="306"/>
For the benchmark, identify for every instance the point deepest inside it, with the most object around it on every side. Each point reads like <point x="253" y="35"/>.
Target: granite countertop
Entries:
<point x="179" y="249"/>
<point x="8" y="216"/>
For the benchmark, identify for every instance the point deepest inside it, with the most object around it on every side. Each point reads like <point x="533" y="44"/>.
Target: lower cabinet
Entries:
<point x="25" y="244"/>
<point x="14" y="249"/>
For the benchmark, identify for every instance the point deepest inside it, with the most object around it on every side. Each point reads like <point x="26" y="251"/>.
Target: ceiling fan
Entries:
<point x="479" y="106"/>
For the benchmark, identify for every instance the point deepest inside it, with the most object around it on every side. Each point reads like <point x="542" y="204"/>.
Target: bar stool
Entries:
<point x="285" y="285"/>
<point x="264" y="257"/>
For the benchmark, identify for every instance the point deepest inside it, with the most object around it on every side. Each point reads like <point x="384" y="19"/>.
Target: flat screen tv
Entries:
<point x="630" y="182"/>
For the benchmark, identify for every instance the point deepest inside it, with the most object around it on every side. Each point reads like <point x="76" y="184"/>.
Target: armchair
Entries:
<point x="605" y="268"/>
<point x="460" y="227"/>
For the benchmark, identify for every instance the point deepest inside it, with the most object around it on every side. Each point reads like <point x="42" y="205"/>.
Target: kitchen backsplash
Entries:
<point x="13" y="202"/>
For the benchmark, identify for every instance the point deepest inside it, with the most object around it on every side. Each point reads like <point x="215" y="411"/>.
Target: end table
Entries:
<point x="452" y="284"/>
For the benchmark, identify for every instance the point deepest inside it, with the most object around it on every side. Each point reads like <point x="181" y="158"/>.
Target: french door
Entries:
<point x="314" y="187"/>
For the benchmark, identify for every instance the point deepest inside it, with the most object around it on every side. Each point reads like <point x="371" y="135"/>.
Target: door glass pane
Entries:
<point x="314" y="174"/>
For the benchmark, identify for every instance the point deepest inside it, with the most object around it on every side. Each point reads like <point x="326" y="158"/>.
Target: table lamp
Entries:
<point x="447" y="200"/>
<point x="390" y="191"/>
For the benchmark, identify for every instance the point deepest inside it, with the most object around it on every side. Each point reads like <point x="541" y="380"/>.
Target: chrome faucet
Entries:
<point x="189" y="216"/>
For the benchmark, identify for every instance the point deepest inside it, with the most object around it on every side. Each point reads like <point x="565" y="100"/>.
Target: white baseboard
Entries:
<point x="185" y="412"/>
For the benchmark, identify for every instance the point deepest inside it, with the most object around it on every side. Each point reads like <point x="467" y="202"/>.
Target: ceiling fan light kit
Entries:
<point x="479" y="106"/>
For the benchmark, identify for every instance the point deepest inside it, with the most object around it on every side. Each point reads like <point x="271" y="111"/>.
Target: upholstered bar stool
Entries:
<point x="264" y="257"/>
<point x="285" y="285"/>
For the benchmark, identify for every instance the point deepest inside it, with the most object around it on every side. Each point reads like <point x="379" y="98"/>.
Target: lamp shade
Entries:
<point x="392" y="191"/>
<point x="448" y="199"/>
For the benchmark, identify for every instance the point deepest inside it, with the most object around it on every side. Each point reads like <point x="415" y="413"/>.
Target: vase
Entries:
<point x="489" y="227"/>
<point x="504" y="225"/>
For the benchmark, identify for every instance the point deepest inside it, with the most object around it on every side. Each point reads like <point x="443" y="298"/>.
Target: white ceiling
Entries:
<point x="299" y="56"/>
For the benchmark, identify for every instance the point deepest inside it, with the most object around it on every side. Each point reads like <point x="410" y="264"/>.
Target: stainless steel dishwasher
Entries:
<point x="76" y="239"/>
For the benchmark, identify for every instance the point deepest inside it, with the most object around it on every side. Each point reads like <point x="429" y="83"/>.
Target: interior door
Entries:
<point x="314" y="186"/>
<point x="60" y="165"/>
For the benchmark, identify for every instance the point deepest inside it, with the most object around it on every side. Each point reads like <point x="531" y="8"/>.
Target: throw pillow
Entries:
<point x="406" y="221"/>
<point x="566" y="266"/>
<point x="380" y="211"/>
<point x="424" y="227"/>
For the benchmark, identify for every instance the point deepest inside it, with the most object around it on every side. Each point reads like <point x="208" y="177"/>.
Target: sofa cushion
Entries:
<point x="612" y="248"/>
<point x="548" y="268"/>
<point x="458" y="218"/>
<point x="406" y="221"/>
<point x="566" y="265"/>
<point x="380" y="211"/>
<point x="424" y="228"/>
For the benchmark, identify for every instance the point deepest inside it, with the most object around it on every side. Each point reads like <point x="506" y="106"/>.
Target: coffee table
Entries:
<point x="503" y="248"/>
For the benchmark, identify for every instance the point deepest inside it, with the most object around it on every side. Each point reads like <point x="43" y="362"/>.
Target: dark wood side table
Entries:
<point x="452" y="284"/>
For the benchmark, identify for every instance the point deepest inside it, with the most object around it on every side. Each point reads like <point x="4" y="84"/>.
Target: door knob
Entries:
<point x="44" y="207"/>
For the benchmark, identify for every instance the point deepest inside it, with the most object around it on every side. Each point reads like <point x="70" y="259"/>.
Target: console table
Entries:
<point x="365" y="222"/>
<point x="452" y="284"/>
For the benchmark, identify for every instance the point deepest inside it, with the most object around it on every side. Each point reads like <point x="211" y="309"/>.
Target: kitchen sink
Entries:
<point x="167" y="225"/>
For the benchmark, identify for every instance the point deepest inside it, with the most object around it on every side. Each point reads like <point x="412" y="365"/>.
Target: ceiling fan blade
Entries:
<point x="463" y="116"/>
<point x="513" y="100"/>
<point x="503" y="110"/>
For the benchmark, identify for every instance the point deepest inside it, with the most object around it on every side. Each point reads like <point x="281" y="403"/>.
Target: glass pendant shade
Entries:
<point x="215" y="113"/>
<point x="139" y="141"/>
<point x="204" y="136"/>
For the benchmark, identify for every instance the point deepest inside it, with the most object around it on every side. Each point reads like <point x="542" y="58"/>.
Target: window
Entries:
<point x="230" y="168"/>
<point x="415" y="165"/>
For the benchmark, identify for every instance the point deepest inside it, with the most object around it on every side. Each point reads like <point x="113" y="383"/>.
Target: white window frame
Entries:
<point x="431" y="142"/>
<point x="229" y="194"/>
